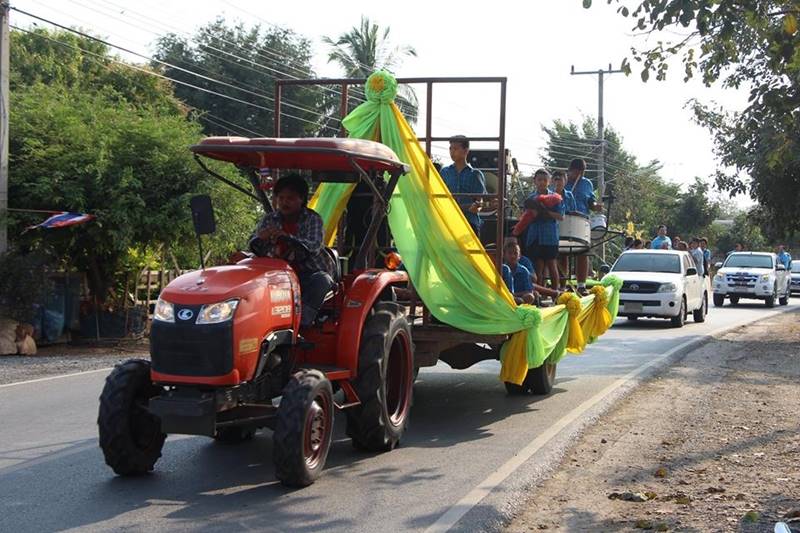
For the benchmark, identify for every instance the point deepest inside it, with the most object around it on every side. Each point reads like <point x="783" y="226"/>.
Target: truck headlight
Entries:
<point x="719" y="277"/>
<point x="216" y="313"/>
<point x="667" y="287"/>
<point x="165" y="311"/>
<point x="764" y="278"/>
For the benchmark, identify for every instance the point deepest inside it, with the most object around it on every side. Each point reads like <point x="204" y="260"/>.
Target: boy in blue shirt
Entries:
<point x="559" y="184"/>
<point x="516" y="276"/>
<point x="461" y="178"/>
<point x="659" y="240"/>
<point x="541" y="238"/>
<point x="585" y="201"/>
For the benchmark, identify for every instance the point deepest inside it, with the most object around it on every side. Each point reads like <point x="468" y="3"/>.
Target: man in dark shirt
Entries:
<point x="461" y="178"/>
<point x="294" y="232"/>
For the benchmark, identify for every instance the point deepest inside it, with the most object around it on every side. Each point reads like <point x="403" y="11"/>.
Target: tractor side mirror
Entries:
<point x="203" y="214"/>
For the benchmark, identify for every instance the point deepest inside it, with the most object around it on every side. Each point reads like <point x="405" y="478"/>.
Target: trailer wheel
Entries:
<point x="303" y="430"/>
<point x="385" y="380"/>
<point x="538" y="381"/>
<point x="130" y="436"/>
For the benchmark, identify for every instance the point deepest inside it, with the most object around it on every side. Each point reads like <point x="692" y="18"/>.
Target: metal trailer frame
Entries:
<point x="433" y="340"/>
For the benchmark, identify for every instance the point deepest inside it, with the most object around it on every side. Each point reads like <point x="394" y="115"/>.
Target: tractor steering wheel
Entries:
<point x="294" y="242"/>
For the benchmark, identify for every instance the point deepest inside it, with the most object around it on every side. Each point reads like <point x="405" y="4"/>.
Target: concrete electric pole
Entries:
<point x="4" y="71"/>
<point x="601" y="161"/>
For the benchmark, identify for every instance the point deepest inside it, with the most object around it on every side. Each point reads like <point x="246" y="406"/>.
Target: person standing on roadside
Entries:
<point x="583" y="192"/>
<point x="461" y="178"/>
<point x="784" y="257"/>
<point x="697" y="255"/>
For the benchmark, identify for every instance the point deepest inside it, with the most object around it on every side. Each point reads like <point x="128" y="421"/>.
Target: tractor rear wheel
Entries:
<point x="385" y="380"/>
<point x="130" y="436"/>
<point x="303" y="430"/>
<point x="538" y="381"/>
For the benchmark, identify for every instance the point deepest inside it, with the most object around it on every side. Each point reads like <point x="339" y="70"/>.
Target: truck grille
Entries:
<point x="645" y="303"/>
<point x="187" y="349"/>
<point x="640" y="287"/>
<point x="741" y="280"/>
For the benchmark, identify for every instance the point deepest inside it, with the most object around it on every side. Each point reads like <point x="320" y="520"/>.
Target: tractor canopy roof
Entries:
<point x="315" y="153"/>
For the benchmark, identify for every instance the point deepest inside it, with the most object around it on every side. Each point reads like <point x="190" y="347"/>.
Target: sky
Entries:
<point x="534" y="44"/>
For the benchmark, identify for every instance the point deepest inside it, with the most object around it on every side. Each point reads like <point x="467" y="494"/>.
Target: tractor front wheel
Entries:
<point x="303" y="431"/>
<point x="130" y="436"/>
<point x="385" y="380"/>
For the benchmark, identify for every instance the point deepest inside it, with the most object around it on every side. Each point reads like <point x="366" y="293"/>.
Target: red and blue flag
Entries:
<point x="64" y="219"/>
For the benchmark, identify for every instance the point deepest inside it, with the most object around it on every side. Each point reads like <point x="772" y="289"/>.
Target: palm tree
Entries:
<point x="365" y="49"/>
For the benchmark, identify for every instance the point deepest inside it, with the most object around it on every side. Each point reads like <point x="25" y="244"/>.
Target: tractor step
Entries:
<point x="333" y="373"/>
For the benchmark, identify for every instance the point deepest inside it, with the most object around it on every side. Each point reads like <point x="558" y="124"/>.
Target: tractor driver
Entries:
<point x="284" y="233"/>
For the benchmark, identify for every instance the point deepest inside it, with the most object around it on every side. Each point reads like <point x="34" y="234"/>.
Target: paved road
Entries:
<point x="465" y="461"/>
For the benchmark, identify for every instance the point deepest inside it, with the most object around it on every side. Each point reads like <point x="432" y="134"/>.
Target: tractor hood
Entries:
<point x="217" y="284"/>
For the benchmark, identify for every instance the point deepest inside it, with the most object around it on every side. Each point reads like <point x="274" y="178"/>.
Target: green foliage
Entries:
<point x="366" y="48"/>
<point x="746" y="229"/>
<point x="65" y="59"/>
<point x="753" y="44"/>
<point x="99" y="148"/>
<point x="250" y="58"/>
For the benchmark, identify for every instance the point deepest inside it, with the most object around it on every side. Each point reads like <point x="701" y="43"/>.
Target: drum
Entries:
<point x="599" y="226"/>
<point x="574" y="234"/>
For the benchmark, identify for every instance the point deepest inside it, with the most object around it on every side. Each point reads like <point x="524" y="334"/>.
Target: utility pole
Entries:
<point x="601" y="161"/>
<point x="4" y="71"/>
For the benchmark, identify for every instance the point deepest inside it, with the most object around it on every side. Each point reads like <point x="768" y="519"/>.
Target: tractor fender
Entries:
<point x="358" y="302"/>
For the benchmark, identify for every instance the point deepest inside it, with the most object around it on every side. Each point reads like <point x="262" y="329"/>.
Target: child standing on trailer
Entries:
<point x="541" y="238"/>
<point x="559" y="183"/>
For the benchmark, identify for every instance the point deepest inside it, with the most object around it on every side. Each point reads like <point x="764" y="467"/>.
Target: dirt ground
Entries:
<point x="711" y="444"/>
<point x="59" y="359"/>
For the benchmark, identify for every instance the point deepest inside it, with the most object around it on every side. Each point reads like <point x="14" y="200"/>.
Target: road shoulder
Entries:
<point x="712" y="443"/>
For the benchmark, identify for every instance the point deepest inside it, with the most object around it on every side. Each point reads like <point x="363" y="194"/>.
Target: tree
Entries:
<point x="694" y="211"/>
<point x="741" y="43"/>
<point x="94" y="144"/>
<point x="366" y="48"/>
<point x="250" y="59"/>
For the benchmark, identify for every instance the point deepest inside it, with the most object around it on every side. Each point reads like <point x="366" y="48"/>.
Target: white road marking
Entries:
<point x="451" y="517"/>
<point x="60" y="376"/>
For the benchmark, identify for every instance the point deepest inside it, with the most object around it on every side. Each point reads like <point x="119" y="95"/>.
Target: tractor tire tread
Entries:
<point x="119" y="449"/>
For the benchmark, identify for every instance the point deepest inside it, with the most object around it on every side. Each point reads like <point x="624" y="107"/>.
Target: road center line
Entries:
<point x="60" y="376"/>
<point x="451" y="517"/>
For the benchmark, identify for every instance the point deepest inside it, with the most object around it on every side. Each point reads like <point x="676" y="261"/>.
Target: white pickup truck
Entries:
<point x="661" y="283"/>
<point x="752" y="275"/>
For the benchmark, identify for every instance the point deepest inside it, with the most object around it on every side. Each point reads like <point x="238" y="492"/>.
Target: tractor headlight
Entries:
<point x="165" y="311"/>
<point x="667" y="287"/>
<point x="764" y="278"/>
<point x="216" y="313"/>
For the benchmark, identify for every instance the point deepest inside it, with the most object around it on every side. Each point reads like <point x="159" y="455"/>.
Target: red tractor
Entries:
<point x="226" y="342"/>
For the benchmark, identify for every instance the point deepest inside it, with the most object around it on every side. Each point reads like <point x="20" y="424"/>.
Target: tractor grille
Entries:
<point x="191" y="350"/>
<point x="640" y="287"/>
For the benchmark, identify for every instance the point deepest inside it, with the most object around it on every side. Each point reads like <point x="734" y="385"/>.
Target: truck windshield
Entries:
<point x="748" y="261"/>
<point x="655" y="262"/>
<point x="796" y="267"/>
